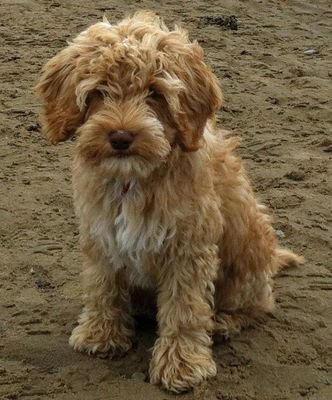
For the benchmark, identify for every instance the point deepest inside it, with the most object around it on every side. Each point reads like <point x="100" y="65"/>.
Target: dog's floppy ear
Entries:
<point x="57" y="85"/>
<point x="199" y="98"/>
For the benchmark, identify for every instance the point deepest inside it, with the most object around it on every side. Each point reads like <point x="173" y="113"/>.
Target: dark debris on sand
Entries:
<point x="227" y="22"/>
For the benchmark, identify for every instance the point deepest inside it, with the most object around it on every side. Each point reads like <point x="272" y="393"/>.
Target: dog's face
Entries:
<point x="132" y="92"/>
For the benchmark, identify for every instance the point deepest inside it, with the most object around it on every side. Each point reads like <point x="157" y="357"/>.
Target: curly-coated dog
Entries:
<point x="164" y="202"/>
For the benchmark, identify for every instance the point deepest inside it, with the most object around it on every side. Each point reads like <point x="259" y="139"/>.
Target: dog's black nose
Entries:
<point x="121" y="140"/>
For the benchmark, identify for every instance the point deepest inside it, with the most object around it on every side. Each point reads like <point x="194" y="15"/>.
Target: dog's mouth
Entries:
<point x="122" y="155"/>
<point x="124" y="152"/>
<point x="126" y="155"/>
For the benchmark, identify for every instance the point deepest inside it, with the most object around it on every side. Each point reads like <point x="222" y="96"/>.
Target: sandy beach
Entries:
<point x="276" y="75"/>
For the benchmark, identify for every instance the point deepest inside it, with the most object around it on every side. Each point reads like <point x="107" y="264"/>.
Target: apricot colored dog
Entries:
<point x="164" y="202"/>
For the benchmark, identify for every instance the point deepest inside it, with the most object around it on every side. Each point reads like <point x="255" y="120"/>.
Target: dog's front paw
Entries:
<point x="179" y="363"/>
<point x="97" y="335"/>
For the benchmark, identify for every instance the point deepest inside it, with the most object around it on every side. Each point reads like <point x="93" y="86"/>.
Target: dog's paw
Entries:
<point x="178" y="364"/>
<point x="227" y="325"/>
<point x="100" y="336"/>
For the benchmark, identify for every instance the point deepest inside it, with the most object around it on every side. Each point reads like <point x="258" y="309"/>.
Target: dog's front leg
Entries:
<point x="105" y="324"/>
<point x="182" y="355"/>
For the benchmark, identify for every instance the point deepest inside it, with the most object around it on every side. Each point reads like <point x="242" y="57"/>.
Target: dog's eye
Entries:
<point x="154" y="94"/>
<point x="95" y="95"/>
<point x="94" y="101"/>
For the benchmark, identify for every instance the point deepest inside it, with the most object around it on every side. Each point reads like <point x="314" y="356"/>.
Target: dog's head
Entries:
<point x="131" y="92"/>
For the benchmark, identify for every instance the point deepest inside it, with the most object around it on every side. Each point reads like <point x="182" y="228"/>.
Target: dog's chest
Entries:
<point x="130" y="233"/>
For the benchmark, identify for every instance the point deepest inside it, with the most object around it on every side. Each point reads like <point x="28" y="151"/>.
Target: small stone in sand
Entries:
<point x="310" y="52"/>
<point x="295" y="175"/>
<point x="139" y="376"/>
<point x="280" y="234"/>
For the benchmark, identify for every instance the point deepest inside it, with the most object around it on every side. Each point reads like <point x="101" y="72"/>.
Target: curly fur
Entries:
<point x="176" y="215"/>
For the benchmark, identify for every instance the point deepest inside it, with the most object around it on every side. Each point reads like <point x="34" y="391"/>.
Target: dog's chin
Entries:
<point x="125" y="167"/>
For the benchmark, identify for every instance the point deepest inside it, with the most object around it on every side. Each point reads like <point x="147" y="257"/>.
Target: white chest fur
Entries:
<point x="128" y="229"/>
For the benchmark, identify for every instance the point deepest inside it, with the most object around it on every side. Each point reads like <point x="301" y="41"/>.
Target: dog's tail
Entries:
<point x="286" y="259"/>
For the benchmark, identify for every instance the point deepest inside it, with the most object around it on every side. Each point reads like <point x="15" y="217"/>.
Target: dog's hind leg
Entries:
<point x="250" y="258"/>
<point x="240" y="301"/>
<point x="244" y="293"/>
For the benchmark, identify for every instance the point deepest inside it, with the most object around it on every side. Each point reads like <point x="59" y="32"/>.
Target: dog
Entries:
<point x="163" y="200"/>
